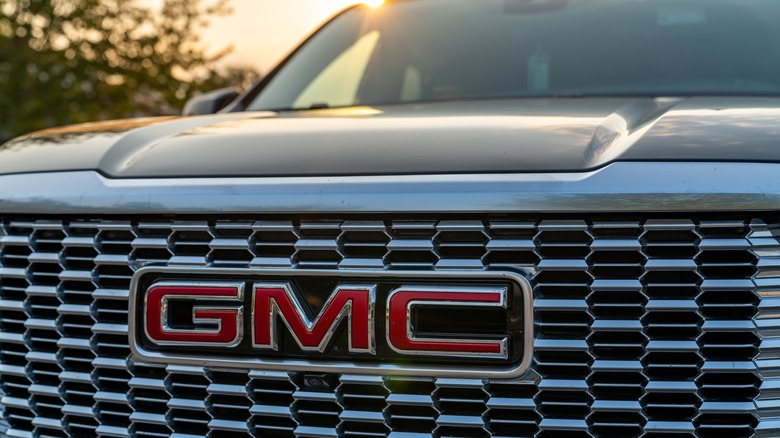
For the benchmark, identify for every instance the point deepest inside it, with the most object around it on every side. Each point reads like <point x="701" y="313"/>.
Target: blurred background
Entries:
<point x="72" y="61"/>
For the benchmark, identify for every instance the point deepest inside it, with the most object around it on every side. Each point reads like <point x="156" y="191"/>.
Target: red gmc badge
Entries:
<point x="448" y="324"/>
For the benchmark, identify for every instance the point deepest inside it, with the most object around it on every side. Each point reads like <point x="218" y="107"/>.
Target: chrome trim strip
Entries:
<point x="341" y="367"/>
<point x="631" y="186"/>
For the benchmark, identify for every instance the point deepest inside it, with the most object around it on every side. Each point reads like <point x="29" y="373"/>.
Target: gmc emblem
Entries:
<point x="375" y="322"/>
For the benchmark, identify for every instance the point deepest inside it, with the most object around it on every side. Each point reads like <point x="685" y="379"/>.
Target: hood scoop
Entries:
<point x="621" y="129"/>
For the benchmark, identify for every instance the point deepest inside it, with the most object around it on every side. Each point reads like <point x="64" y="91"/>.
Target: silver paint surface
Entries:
<point x="501" y="136"/>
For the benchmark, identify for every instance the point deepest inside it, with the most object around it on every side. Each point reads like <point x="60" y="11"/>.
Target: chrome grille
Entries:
<point x="653" y="327"/>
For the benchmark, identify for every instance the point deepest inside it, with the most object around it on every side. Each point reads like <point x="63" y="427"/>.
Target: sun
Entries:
<point x="338" y="4"/>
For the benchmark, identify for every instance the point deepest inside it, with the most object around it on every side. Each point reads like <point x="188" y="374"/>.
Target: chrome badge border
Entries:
<point x="337" y="367"/>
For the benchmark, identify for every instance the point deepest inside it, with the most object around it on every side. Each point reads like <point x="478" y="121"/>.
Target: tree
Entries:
<point x="70" y="61"/>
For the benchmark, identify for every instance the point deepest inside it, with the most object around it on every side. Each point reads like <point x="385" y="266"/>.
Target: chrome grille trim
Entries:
<point x="616" y="303"/>
<point x="767" y="280"/>
<point x="617" y="187"/>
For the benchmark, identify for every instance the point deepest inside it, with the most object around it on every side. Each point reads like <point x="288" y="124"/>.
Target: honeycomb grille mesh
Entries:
<point x="661" y="327"/>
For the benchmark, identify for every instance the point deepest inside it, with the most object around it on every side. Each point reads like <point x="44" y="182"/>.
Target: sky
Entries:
<point x="263" y="31"/>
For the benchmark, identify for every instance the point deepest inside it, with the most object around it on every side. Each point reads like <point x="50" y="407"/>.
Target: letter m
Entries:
<point x="277" y="301"/>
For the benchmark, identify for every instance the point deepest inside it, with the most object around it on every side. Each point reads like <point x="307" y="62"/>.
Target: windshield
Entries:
<point x="437" y="50"/>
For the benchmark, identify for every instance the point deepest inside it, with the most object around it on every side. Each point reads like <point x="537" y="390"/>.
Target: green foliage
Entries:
<point x="71" y="61"/>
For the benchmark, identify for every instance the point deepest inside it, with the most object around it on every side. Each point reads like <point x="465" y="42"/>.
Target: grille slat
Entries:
<point x="644" y="328"/>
